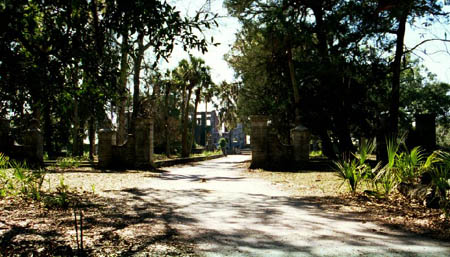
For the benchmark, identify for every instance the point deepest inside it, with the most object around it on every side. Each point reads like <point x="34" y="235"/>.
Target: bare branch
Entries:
<point x="426" y="41"/>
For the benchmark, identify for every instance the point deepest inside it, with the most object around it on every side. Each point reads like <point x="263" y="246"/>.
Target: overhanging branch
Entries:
<point x="426" y="41"/>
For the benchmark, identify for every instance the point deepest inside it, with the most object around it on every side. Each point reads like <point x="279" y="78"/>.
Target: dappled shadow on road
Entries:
<point x="138" y="219"/>
<point x="189" y="208"/>
<point x="255" y="223"/>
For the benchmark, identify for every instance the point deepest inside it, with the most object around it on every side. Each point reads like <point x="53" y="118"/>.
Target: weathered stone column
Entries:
<point x="300" y="137"/>
<point x="144" y="143"/>
<point x="106" y="140"/>
<point x="34" y="143"/>
<point x="259" y="137"/>
<point x="4" y="135"/>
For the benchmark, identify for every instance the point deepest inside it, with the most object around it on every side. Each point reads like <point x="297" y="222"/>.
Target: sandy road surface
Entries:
<point x="227" y="214"/>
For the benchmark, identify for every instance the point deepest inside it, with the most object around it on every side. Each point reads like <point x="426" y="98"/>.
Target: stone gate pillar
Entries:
<point x="106" y="140"/>
<point x="259" y="138"/>
<point x="143" y="143"/>
<point x="300" y="137"/>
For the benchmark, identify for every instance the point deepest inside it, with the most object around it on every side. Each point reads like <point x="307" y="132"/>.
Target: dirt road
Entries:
<point x="227" y="214"/>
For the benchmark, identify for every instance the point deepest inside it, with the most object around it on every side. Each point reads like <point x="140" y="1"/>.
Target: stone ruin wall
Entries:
<point x="136" y="152"/>
<point x="269" y="153"/>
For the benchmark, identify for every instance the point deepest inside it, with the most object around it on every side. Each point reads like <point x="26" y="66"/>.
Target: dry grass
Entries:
<point x="95" y="181"/>
<point x="307" y="183"/>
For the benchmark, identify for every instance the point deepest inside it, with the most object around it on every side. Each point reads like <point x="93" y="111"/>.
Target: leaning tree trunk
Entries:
<point x="121" y="130"/>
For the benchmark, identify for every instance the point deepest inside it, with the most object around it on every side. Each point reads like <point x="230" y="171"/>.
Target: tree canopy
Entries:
<point x="335" y="66"/>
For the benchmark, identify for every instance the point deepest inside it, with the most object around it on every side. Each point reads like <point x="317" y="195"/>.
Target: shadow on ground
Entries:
<point x="172" y="222"/>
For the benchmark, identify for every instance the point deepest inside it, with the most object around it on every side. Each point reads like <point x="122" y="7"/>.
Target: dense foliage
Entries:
<point x="62" y="64"/>
<point x="333" y="66"/>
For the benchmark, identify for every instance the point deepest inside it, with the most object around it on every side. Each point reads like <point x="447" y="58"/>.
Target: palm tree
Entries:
<point x="191" y="75"/>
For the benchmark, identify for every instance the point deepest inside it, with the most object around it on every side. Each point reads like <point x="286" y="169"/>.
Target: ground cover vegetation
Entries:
<point x="81" y="212"/>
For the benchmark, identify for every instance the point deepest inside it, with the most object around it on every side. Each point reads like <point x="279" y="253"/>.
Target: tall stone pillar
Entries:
<point x="144" y="143"/>
<point x="300" y="137"/>
<point x="259" y="140"/>
<point x="106" y="140"/>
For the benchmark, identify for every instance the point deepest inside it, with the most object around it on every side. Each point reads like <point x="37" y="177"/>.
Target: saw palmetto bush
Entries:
<point x="17" y="179"/>
<point x="355" y="169"/>
<point x="403" y="166"/>
<point x="440" y="180"/>
<point x="350" y="172"/>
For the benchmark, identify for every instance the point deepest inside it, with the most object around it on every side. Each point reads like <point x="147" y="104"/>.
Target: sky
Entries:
<point x="223" y="34"/>
<point x="432" y="54"/>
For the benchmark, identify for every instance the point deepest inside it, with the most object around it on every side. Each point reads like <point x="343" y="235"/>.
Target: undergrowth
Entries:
<point x="403" y="166"/>
<point x="17" y="180"/>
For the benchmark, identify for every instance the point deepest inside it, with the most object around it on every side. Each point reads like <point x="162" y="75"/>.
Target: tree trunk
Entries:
<point x="76" y="129"/>
<point x="194" y="120"/>
<point x="80" y="139"/>
<point x="396" y="66"/>
<point x="136" y="81"/>
<point x="327" y="145"/>
<point x="184" y="137"/>
<point x="166" y="120"/>
<point x="121" y="130"/>
<point x="206" y="125"/>
<point x="48" y="132"/>
<point x="91" y="138"/>
<point x="294" y="87"/>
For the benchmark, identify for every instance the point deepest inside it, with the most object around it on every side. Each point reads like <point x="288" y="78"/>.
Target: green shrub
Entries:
<point x="355" y="170"/>
<point x="317" y="153"/>
<point x="61" y="198"/>
<point x="440" y="179"/>
<point x="222" y="142"/>
<point x="349" y="171"/>
<point x="68" y="162"/>
<point x="4" y="161"/>
<point x="17" y="179"/>
<point x="210" y="153"/>
<point x="402" y="166"/>
<point x="409" y="164"/>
